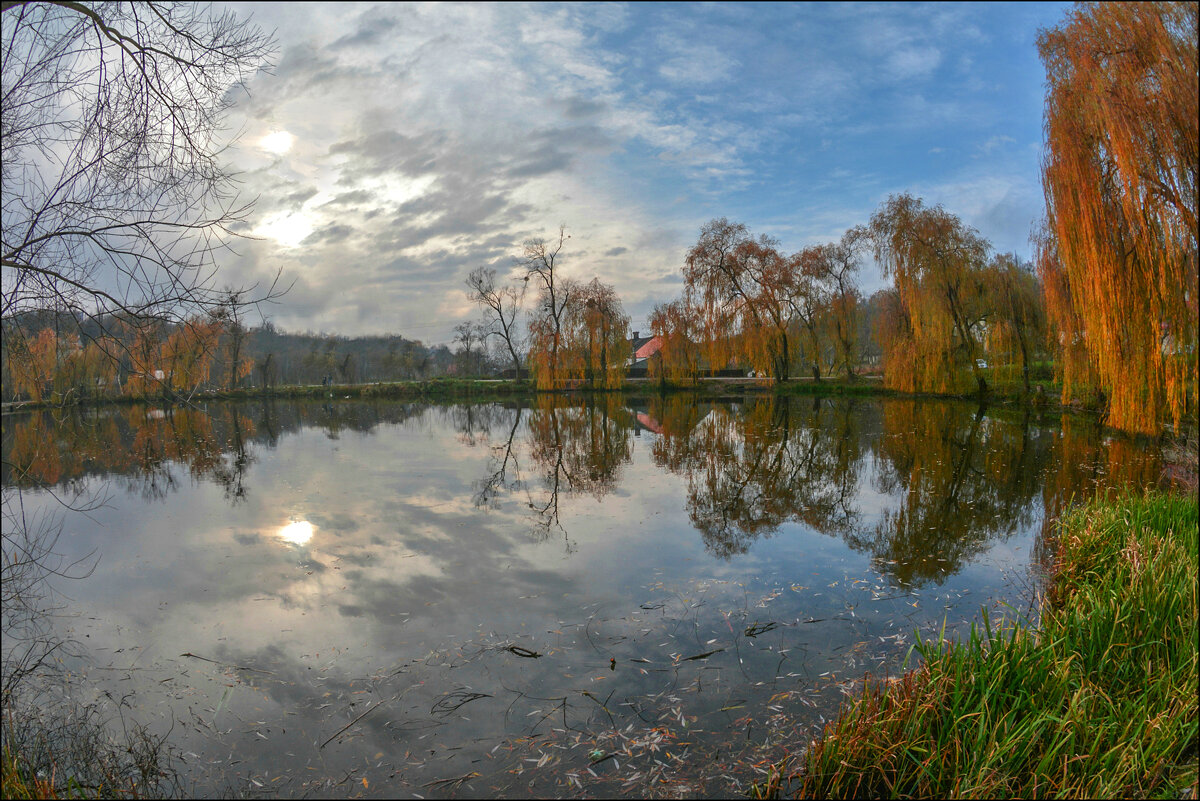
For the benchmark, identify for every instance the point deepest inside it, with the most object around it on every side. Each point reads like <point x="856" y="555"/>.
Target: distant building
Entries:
<point x="643" y="348"/>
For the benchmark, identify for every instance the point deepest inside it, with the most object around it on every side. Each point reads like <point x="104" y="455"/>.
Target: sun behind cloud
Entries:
<point x="277" y="142"/>
<point x="288" y="229"/>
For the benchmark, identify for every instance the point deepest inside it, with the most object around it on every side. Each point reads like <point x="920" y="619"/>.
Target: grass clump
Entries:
<point x="68" y="750"/>
<point x="1100" y="700"/>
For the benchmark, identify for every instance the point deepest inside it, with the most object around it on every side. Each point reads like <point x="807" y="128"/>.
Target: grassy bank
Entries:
<point x="484" y="390"/>
<point x="1100" y="700"/>
<point x="435" y="389"/>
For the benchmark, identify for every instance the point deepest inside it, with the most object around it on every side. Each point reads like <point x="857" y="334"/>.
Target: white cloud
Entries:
<point x="996" y="142"/>
<point x="428" y="139"/>
<point x="914" y="62"/>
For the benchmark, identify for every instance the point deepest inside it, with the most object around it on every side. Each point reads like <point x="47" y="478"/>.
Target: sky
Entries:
<point x="395" y="147"/>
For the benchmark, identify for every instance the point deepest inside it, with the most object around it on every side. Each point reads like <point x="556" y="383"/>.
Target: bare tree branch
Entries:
<point x="115" y="196"/>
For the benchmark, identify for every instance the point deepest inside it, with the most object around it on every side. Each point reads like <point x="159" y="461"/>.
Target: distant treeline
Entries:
<point x="60" y="357"/>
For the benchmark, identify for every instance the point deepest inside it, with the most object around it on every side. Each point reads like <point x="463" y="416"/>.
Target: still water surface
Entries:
<point x="550" y="598"/>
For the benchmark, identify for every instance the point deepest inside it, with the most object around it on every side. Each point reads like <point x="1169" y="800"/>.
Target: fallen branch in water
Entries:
<point x="756" y="628"/>
<point x="226" y="664"/>
<point x="447" y="782"/>
<point x="704" y="655"/>
<point x="366" y="712"/>
<point x="519" y="651"/>
<point x="455" y="700"/>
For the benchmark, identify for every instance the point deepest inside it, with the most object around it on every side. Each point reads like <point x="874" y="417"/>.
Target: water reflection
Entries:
<point x="298" y="532"/>
<point x="922" y="487"/>
<point x="726" y="565"/>
<point x="135" y="446"/>
<point x="751" y="467"/>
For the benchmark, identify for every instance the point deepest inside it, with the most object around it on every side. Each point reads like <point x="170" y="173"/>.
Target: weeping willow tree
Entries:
<point x="1119" y="174"/>
<point x="1017" y="324"/>
<point x="741" y="287"/>
<point x="678" y="326"/>
<point x="938" y="264"/>
<point x="715" y="285"/>
<point x="599" y="333"/>
<point x="548" y="319"/>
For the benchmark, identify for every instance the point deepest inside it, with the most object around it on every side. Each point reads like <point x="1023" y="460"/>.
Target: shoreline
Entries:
<point x="489" y="389"/>
<point x="1096" y="700"/>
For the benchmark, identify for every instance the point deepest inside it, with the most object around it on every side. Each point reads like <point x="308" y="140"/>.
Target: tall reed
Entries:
<point x="1100" y="700"/>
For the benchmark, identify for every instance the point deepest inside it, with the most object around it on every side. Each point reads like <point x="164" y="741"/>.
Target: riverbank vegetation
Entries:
<point x="1109" y="302"/>
<point x="1097" y="700"/>
<point x="1107" y="318"/>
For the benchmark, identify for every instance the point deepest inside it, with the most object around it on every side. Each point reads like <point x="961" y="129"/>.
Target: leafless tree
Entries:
<point x="116" y="199"/>
<point x="500" y="305"/>
<point x="230" y="313"/>
<point x="471" y="336"/>
<point x="539" y="260"/>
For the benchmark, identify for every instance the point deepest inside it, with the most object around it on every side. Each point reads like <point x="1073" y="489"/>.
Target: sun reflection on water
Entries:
<point x="298" y="532"/>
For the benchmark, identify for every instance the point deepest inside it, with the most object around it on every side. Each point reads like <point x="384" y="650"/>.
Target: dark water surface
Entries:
<point x="555" y="598"/>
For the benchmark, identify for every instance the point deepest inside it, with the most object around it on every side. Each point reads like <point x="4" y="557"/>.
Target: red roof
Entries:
<point x="649" y="349"/>
<point x="649" y="422"/>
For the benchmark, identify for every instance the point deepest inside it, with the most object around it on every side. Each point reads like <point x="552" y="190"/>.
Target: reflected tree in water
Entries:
<point x="753" y="467"/>
<point x="964" y="480"/>
<point x="573" y="448"/>
<point x="504" y="467"/>
<point x="577" y="449"/>
<point x="959" y="479"/>
<point x="135" y="446"/>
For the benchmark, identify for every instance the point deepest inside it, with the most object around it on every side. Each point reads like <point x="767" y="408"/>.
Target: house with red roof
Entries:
<point x="643" y="348"/>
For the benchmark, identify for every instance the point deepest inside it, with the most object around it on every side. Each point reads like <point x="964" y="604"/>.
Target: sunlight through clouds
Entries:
<point x="288" y="229"/>
<point x="278" y="142"/>
<point x="396" y="147"/>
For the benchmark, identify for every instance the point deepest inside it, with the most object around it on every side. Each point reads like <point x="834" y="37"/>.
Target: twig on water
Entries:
<point x="226" y="664"/>
<point x="366" y="712"/>
<point x="448" y="782"/>
<point x="519" y="651"/>
<point x="452" y="701"/>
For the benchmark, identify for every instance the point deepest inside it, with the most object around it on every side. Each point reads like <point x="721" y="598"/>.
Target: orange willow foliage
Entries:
<point x="86" y="370"/>
<point x="937" y="263"/>
<point x="1017" y="325"/>
<point x="743" y="290"/>
<point x="712" y="281"/>
<point x="580" y="332"/>
<point x="56" y="368"/>
<point x="31" y="361"/>
<point x="548" y="361"/>
<point x="835" y="294"/>
<point x="766" y="319"/>
<point x="599" y="331"/>
<point x="678" y="327"/>
<point x="1065" y="323"/>
<point x="1120" y="177"/>
<point x="894" y="332"/>
<point x="184" y="356"/>
<point x="189" y="353"/>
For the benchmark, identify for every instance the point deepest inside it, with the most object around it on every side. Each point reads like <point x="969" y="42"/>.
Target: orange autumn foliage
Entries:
<point x="938" y="264"/>
<point x="1120" y="178"/>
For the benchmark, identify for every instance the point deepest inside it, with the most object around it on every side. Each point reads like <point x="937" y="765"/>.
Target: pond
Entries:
<point x="556" y="597"/>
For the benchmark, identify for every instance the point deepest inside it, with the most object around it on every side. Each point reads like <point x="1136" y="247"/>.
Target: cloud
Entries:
<point x="356" y="197"/>
<point x="692" y="61"/>
<point x="432" y="139"/>
<point x="995" y="143"/>
<point x="386" y="152"/>
<point x="330" y="234"/>
<point x="912" y="62"/>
